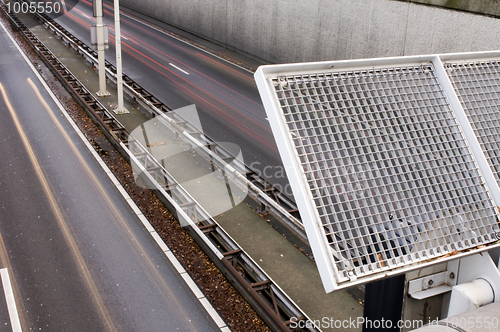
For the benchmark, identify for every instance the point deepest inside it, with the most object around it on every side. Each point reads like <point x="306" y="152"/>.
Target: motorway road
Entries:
<point x="77" y="255"/>
<point x="179" y="74"/>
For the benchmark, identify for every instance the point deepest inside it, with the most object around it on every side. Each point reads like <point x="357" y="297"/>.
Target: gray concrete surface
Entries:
<point x="486" y="7"/>
<point x="315" y="30"/>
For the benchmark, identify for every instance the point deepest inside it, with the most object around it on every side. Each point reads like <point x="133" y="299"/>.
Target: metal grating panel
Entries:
<point x="378" y="159"/>
<point x="477" y="85"/>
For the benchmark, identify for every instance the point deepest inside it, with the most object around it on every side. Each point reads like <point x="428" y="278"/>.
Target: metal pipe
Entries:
<point x="470" y="295"/>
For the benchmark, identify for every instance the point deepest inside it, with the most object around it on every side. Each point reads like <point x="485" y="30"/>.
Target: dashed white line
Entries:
<point x="11" y="302"/>
<point x="185" y="72"/>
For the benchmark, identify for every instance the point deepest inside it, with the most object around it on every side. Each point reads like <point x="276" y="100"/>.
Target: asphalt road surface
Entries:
<point x="78" y="257"/>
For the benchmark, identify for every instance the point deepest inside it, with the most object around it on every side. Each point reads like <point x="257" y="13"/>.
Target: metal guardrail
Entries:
<point x="262" y="293"/>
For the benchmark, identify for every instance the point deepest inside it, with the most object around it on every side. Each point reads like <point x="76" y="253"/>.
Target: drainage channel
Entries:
<point x="267" y="298"/>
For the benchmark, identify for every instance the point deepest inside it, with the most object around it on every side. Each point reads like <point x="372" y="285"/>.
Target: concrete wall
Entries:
<point x="487" y="7"/>
<point x="284" y="31"/>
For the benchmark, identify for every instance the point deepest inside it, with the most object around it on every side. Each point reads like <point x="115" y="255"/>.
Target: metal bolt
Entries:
<point x="430" y="282"/>
<point x="452" y="275"/>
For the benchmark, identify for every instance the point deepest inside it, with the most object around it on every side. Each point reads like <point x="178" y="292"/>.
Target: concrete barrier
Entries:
<point x="486" y="7"/>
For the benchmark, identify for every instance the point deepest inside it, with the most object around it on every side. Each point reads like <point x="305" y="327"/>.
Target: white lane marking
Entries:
<point x="185" y="72"/>
<point x="174" y="261"/>
<point x="211" y="311"/>
<point x="11" y="302"/>
<point x="85" y="15"/>
<point x="194" y="288"/>
<point x="123" y="37"/>
<point x="192" y="285"/>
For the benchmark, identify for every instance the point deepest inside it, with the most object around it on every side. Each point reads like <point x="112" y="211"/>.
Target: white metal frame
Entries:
<point x="312" y="223"/>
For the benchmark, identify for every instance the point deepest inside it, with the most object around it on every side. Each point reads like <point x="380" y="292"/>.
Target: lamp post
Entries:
<point x="119" y="76"/>
<point x="100" y="49"/>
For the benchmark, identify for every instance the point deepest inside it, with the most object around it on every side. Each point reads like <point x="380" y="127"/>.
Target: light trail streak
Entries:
<point x="255" y="133"/>
<point x="148" y="266"/>
<point x="58" y="213"/>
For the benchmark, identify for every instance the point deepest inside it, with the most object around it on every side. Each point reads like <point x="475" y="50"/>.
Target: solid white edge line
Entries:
<point x="215" y="316"/>
<point x="134" y="206"/>
<point x="146" y="223"/>
<point x="192" y="285"/>
<point x="185" y="72"/>
<point x="159" y="241"/>
<point x="183" y="41"/>
<point x="194" y="288"/>
<point x="175" y="262"/>
<point x="11" y="302"/>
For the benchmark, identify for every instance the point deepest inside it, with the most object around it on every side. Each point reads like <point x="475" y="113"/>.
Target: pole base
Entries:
<point x="123" y="110"/>
<point x="103" y="94"/>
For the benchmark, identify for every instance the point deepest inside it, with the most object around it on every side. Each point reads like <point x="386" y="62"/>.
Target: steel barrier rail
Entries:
<point x="268" y="196"/>
<point x="265" y="296"/>
<point x="239" y="267"/>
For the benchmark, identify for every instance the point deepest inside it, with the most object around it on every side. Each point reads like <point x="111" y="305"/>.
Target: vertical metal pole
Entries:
<point x="384" y="304"/>
<point x="100" y="50"/>
<point x="119" y="76"/>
